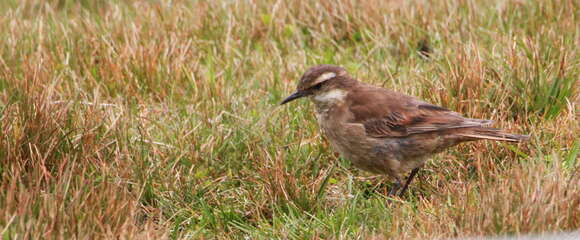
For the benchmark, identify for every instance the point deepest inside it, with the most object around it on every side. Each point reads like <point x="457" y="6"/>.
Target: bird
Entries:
<point x="383" y="131"/>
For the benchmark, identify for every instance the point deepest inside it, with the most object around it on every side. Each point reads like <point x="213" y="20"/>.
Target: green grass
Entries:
<point x="160" y="119"/>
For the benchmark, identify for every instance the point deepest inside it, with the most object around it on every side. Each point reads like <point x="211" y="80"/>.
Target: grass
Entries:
<point x="159" y="119"/>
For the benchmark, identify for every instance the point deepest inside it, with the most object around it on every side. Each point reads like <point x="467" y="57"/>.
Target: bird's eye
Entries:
<point x="317" y="86"/>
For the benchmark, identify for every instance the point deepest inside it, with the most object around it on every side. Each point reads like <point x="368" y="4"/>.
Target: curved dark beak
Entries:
<point x="294" y="96"/>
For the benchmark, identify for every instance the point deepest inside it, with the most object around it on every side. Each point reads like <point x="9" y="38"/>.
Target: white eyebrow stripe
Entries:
<point x="323" y="77"/>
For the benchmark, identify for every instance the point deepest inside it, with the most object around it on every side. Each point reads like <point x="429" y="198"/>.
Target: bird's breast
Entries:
<point x="333" y="122"/>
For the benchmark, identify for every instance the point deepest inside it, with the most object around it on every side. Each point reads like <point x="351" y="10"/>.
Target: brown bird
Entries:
<point x="382" y="131"/>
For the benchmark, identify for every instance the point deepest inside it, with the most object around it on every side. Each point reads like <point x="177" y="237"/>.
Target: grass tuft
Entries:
<point x="160" y="119"/>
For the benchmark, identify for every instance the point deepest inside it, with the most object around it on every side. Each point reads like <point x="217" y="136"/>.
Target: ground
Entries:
<point x="160" y="119"/>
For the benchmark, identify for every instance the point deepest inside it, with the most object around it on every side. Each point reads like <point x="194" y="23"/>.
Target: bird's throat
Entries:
<point x="330" y="97"/>
<point x="329" y="104"/>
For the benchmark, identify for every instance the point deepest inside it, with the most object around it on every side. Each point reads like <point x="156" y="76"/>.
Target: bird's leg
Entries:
<point x="409" y="180"/>
<point x="395" y="188"/>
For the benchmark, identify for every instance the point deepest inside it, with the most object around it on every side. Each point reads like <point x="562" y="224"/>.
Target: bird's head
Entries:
<point x="322" y="82"/>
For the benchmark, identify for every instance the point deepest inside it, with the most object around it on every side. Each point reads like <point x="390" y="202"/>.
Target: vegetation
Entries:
<point x="160" y="119"/>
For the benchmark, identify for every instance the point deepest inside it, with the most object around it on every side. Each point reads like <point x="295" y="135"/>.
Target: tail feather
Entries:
<point x="493" y="134"/>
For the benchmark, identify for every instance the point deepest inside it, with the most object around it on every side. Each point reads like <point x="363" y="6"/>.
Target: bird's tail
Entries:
<point x="493" y="134"/>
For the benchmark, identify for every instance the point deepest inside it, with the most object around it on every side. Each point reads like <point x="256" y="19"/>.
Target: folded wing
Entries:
<point x="391" y="114"/>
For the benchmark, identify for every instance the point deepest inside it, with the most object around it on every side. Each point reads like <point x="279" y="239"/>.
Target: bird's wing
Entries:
<point x="385" y="113"/>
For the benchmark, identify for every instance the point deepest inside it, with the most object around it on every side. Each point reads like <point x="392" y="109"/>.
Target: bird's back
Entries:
<point x="388" y="114"/>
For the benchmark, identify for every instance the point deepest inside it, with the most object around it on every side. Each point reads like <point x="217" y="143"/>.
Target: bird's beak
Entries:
<point x="294" y="96"/>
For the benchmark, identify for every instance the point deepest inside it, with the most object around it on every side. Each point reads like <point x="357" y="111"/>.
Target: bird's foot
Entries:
<point x="396" y="186"/>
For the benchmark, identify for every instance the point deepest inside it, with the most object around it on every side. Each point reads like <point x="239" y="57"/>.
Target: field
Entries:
<point x="160" y="119"/>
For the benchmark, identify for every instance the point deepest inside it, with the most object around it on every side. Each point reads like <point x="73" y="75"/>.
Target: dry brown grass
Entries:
<point x="159" y="119"/>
